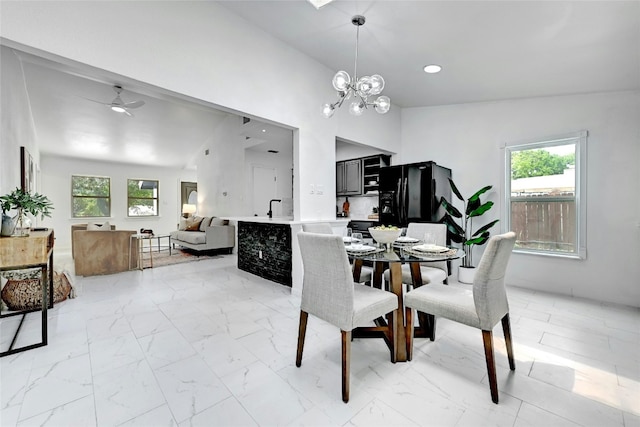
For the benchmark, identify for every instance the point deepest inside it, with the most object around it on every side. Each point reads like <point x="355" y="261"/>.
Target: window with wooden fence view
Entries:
<point x="543" y="196"/>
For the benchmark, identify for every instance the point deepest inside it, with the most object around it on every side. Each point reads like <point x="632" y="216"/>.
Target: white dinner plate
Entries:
<point x="363" y="248"/>
<point x="405" y="239"/>
<point x="430" y="248"/>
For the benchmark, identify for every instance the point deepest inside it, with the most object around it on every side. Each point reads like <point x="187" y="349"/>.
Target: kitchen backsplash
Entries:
<point x="359" y="207"/>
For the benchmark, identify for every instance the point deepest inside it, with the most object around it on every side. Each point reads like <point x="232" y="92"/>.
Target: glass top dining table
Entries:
<point x="392" y="257"/>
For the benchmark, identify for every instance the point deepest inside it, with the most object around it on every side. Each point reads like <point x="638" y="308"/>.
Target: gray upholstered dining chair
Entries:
<point x="433" y="272"/>
<point x="328" y="292"/>
<point x="480" y="307"/>
<point x="366" y="273"/>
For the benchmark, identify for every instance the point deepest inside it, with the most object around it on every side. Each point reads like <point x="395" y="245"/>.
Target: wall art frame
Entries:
<point x="27" y="172"/>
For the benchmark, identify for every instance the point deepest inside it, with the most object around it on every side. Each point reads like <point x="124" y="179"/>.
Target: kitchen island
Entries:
<point x="268" y="247"/>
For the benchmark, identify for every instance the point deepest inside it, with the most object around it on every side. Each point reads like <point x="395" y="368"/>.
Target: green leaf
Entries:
<point x="472" y="206"/>
<point x="479" y="193"/>
<point x="481" y="240"/>
<point x="455" y="190"/>
<point x="486" y="227"/>
<point x="451" y="210"/>
<point x="481" y="209"/>
<point x="456" y="233"/>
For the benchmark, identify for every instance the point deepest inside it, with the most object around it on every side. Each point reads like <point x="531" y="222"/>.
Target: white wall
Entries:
<point x="468" y="139"/>
<point x="16" y="128"/>
<point x="220" y="174"/>
<point x="56" y="184"/>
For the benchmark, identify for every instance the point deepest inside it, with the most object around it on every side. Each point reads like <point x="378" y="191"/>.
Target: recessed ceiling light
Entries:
<point x="264" y="130"/>
<point x="432" y="69"/>
<point x="319" y="3"/>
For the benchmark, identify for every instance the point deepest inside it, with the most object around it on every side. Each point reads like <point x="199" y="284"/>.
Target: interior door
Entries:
<point x="264" y="189"/>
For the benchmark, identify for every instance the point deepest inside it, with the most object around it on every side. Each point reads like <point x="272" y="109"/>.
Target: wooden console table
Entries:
<point x="33" y="251"/>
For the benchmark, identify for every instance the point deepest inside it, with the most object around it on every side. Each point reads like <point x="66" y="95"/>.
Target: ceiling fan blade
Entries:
<point x="134" y="104"/>
<point x="128" y="113"/>
<point x="98" y="102"/>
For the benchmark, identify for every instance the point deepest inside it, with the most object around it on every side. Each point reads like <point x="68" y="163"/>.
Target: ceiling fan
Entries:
<point x="118" y="105"/>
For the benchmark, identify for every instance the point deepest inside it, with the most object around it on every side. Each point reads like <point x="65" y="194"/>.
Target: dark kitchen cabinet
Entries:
<point x="349" y="178"/>
<point x="371" y="173"/>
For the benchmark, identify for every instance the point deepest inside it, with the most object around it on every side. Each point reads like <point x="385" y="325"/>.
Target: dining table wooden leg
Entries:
<point x="395" y="284"/>
<point x="378" y="272"/>
<point x="357" y="268"/>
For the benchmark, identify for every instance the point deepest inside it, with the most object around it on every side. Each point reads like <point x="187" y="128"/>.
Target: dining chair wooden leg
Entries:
<point x="346" y="363"/>
<point x="393" y="333"/>
<point x="409" y="332"/>
<point x="487" y="337"/>
<point x="431" y="321"/>
<point x="302" y="330"/>
<point x="506" y="327"/>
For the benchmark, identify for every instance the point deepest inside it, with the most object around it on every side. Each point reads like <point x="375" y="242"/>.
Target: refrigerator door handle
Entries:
<point x="405" y="208"/>
<point x="398" y="207"/>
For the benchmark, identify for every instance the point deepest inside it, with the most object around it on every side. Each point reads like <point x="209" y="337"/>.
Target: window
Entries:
<point x="142" y="197"/>
<point x="90" y="196"/>
<point x="545" y="195"/>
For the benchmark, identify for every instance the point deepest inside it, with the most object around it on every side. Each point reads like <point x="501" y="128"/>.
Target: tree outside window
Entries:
<point x="142" y="197"/>
<point x="545" y="196"/>
<point x="90" y="196"/>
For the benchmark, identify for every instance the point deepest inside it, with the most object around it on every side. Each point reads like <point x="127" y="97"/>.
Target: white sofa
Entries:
<point x="204" y="234"/>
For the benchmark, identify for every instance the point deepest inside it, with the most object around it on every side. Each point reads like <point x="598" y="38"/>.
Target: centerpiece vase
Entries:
<point x="23" y="224"/>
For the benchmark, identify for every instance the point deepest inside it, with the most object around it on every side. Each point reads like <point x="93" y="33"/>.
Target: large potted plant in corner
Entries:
<point x="24" y="202"/>
<point x="463" y="233"/>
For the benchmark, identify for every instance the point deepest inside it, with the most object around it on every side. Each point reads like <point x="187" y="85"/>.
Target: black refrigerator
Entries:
<point x="412" y="192"/>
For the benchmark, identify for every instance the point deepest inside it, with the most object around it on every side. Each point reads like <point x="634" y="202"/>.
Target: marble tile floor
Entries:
<point x="204" y="344"/>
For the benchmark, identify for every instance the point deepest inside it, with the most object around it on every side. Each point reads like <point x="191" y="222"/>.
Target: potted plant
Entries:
<point x="463" y="233"/>
<point x="25" y="202"/>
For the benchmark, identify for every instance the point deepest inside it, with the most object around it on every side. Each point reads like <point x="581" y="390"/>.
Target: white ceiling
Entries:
<point x="488" y="50"/>
<point x="168" y="130"/>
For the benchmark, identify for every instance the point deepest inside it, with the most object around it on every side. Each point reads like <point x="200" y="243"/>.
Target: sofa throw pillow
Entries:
<point x="183" y="224"/>
<point x="205" y="223"/>
<point x="219" y="221"/>
<point x="99" y="227"/>
<point x="193" y="225"/>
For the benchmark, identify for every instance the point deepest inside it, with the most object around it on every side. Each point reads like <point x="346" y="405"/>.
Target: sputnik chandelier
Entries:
<point x="359" y="90"/>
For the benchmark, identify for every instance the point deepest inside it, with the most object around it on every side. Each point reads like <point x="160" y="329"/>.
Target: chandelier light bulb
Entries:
<point x="364" y="86"/>
<point x="328" y="110"/>
<point x="382" y="104"/>
<point x="356" y="108"/>
<point x="341" y="81"/>
<point x="377" y="84"/>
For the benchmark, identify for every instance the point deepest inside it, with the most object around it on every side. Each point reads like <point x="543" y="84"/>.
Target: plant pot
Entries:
<point x="8" y="225"/>
<point x="466" y="274"/>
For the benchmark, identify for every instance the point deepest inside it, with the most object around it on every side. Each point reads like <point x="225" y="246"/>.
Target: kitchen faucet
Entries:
<point x="270" y="213"/>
